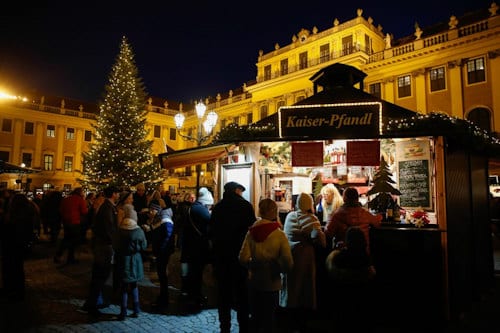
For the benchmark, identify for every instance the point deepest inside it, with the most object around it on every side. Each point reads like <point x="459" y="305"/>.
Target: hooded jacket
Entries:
<point x="302" y="225"/>
<point x="266" y="253"/>
<point x="162" y="233"/>
<point x="128" y="243"/>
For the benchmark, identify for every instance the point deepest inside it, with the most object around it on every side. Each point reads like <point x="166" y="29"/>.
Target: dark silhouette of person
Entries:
<point x="103" y="229"/>
<point x="20" y="218"/>
<point x="231" y="217"/>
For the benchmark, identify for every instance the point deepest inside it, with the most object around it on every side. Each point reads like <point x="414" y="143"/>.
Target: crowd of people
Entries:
<point x="262" y="266"/>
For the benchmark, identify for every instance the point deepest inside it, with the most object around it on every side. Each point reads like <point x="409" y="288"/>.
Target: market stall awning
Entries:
<point x="6" y="167"/>
<point x="194" y="156"/>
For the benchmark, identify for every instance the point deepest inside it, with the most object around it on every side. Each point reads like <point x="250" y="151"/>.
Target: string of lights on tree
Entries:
<point x="121" y="155"/>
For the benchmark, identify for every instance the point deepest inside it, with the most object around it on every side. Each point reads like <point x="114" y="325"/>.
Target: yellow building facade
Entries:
<point x="451" y="67"/>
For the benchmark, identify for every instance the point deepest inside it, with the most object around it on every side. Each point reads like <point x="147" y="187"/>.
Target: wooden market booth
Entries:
<point x="433" y="273"/>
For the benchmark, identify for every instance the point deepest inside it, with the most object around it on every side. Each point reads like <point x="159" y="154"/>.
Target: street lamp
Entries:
<point x="23" y="186"/>
<point x="204" y="130"/>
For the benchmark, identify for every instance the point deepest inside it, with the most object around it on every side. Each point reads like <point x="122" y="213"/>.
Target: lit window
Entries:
<point x="475" y="71"/>
<point x="68" y="163"/>
<point x="51" y="131"/>
<point x="48" y="162"/>
<point x="437" y="79"/>
<point x="404" y="86"/>
<point x="70" y="134"/>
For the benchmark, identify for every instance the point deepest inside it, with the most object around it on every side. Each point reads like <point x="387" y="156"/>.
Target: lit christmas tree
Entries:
<point x="121" y="155"/>
<point x="382" y="186"/>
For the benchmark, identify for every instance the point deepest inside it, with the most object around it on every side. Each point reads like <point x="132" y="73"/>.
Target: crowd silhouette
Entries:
<point x="263" y="268"/>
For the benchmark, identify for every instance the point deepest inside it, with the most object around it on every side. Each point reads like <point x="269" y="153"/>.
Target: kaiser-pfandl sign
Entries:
<point x="330" y="121"/>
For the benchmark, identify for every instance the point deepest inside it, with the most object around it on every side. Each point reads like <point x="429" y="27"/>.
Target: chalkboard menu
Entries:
<point x="414" y="183"/>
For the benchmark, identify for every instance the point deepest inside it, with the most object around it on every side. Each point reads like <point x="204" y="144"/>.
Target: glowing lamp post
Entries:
<point x="203" y="133"/>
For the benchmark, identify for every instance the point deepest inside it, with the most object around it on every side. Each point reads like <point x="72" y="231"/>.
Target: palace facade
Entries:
<point x="451" y="67"/>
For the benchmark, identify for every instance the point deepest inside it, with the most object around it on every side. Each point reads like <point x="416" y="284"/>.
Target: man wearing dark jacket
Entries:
<point x="106" y="224"/>
<point x="231" y="217"/>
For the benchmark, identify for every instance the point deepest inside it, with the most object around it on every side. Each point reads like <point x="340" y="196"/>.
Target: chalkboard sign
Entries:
<point x="414" y="183"/>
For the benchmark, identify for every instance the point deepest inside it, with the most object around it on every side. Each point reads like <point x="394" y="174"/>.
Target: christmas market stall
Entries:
<point x="427" y="174"/>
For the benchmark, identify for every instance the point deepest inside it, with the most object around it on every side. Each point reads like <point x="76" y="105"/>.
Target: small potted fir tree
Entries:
<point x="384" y="201"/>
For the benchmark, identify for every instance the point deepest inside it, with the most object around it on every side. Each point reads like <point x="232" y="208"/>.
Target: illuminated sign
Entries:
<point x="331" y="121"/>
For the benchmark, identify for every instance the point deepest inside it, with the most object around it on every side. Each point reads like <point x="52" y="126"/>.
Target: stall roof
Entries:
<point x="337" y="83"/>
<point x="193" y="156"/>
<point x="6" y="167"/>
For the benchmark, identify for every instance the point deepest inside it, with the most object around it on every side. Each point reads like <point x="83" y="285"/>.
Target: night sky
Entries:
<point x="184" y="51"/>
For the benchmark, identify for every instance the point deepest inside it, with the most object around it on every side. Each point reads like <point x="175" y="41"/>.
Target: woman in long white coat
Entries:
<point x="303" y="230"/>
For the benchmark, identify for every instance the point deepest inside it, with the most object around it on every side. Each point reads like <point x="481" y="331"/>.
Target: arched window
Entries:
<point x="481" y="118"/>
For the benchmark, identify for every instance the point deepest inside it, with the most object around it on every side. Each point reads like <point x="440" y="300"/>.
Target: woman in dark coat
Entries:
<point x="128" y="244"/>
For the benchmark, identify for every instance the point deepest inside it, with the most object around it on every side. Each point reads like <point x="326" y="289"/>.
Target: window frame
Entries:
<point x="4" y="155"/>
<point x="70" y="133"/>
<point x="68" y="163"/>
<point x="26" y="126"/>
<point x="267" y="72"/>
<point x="7" y="122"/>
<point x="87" y="136"/>
<point x="157" y="131"/>
<point x="404" y="91"/>
<point x="263" y="111"/>
<point x="437" y="79"/>
<point x="48" y="162"/>
<point x="303" y="62"/>
<point x="284" y="66"/>
<point x="51" y="131"/>
<point x="324" y="53"/>
<point x="475" y="75"/>
<point x="173" y="134"/>
<point x="375" y="92"/>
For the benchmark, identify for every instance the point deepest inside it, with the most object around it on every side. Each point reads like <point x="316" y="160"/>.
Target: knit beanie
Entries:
<point x="155" y="207"/>
<point x="305" y="202"/>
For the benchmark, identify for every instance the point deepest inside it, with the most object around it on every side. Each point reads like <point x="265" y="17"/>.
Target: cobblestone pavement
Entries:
<point x="55" y="293"/>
